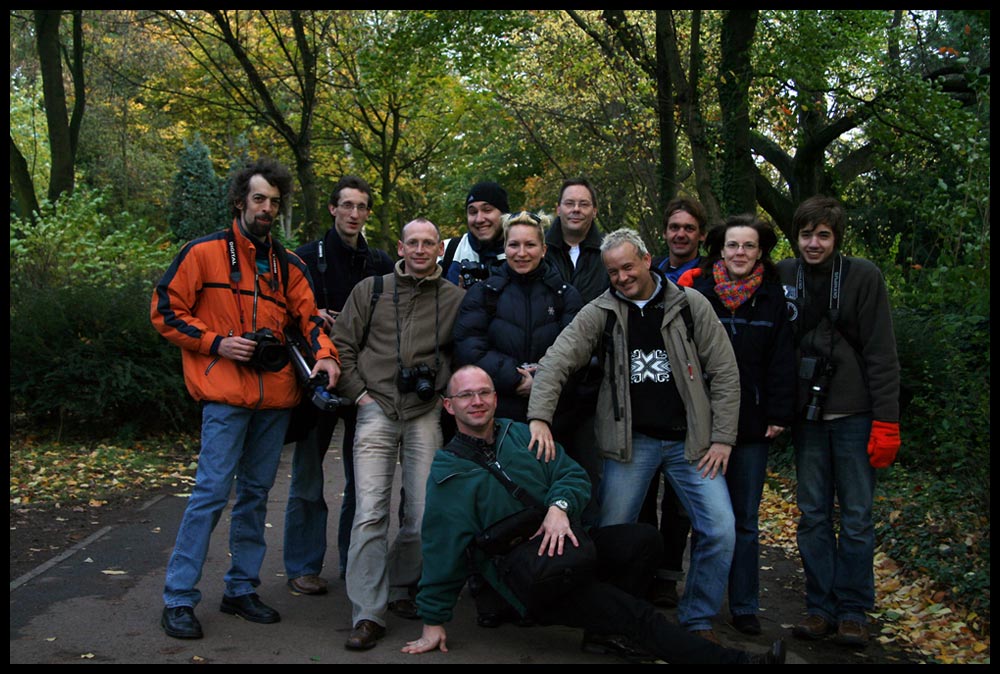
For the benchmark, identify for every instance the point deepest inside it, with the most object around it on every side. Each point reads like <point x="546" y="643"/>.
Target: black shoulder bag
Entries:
<point x="537" y="580"/>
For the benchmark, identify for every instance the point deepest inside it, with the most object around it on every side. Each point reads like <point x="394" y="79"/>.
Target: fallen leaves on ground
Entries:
<point x="913" y="613"/>
<point x="56" y="473"/>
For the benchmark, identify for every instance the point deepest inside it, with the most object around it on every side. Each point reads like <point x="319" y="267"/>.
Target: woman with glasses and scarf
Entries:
<point x="740" y="280"/>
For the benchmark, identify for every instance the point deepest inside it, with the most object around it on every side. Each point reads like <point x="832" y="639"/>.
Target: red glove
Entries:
<point x="883" y="444"/>
<point x="688" y="277"/>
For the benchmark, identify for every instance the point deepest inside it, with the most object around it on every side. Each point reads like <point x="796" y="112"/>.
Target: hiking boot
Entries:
<point x="852" y="634"/>
<point x="813" y="627"/>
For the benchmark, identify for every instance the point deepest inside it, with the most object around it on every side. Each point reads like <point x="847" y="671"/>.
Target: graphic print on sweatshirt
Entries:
<point x="653" y="366"/>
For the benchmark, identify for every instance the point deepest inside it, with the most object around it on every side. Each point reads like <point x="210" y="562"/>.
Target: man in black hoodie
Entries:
<point x="337" y="262"/>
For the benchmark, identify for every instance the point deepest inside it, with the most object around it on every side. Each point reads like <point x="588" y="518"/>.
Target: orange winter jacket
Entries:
<point x="213" y="290"/>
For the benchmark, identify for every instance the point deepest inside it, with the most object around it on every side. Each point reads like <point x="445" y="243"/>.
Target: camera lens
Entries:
<point x="425" y="389"/>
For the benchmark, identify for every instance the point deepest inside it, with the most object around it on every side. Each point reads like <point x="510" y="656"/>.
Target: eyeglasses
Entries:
<point x="573" y="204"/>
<point x="347" y="207"/>
<point x="466" y="396"/>
<point x="733" y="246"/>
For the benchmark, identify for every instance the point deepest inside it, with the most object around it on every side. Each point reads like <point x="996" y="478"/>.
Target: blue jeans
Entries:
<point x="378" y="573"/>
<point x="240" y="443"/>
<point x="306" y="512"/>
<point x="623" y="489"/>
<point x="831" y="459"/>
<point x="745" y="477"/>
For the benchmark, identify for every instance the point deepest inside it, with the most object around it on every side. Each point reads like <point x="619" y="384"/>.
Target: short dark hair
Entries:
<point x="582" y="182"/>
<point x="351" y="183"/>
<point x="821" y="210"/>
<point x="716" y="239"/>
<point x="270" y="170"/>
<point x="688" y="205"/>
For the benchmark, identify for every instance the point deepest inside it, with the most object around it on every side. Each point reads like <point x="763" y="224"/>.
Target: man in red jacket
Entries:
<point x="225" y="301"/>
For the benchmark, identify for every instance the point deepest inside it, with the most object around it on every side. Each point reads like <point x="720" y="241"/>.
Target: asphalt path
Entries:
<point x="101" y="601"/>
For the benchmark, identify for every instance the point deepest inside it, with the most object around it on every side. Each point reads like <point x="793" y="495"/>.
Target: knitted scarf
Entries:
<point x="735" y="293"/>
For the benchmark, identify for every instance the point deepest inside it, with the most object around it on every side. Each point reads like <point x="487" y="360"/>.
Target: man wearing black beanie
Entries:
<point x="468" y="258"/>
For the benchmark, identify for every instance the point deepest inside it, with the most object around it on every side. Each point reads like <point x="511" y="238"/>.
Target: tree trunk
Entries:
<point x="665" y="110"/>
<point x="24" y="189"/>
<point x="735" y="73"/>
<point x="54" y="93"/>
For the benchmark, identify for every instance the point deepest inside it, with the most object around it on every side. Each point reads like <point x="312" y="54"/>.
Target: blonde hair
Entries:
<point x="539" y="221"/>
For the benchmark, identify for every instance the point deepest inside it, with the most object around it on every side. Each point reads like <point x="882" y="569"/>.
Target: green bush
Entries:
<point x="85" y="361"/>
<point x="942" y="323"/>
<point x="74" y="241"/>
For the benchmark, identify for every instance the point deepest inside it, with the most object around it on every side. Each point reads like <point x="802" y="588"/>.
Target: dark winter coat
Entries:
<point x="761" y="336"/>
<point x="510" y="319"/>
<point x="589" y="276"/>
<point x="344" y="267"/>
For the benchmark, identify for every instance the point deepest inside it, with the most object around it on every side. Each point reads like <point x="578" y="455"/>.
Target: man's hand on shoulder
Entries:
<point x="541" y="440"/>
<point x="434" y="637"/>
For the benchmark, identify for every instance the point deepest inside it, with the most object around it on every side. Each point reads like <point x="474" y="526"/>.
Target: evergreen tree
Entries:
<point x="198" y="201"/>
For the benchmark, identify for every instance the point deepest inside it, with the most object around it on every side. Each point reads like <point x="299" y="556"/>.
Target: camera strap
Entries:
<point x="277" y="260"/>
<point x="321" y="266"/>
<point x="841" y="265"/>
<point x="437" y="325"/>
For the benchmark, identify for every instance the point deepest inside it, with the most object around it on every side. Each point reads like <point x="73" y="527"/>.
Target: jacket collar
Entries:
<point x="404" y="277"/>
<point x="554" y="237"/>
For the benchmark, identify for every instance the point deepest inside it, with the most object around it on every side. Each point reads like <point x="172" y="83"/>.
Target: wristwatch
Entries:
<point x="562" y="504"/>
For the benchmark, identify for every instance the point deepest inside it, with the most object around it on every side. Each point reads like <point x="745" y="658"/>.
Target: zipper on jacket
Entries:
<point x="216" y="359"/>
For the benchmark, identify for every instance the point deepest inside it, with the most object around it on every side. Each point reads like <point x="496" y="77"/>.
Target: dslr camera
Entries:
<point x="418" y="379"/>
<point x="270" y="354"/>
<point x="472" y="272"/>
<point x="817" y="371"/>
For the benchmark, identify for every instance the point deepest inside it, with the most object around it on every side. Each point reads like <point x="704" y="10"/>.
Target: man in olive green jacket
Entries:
<point x="670" y="398"/>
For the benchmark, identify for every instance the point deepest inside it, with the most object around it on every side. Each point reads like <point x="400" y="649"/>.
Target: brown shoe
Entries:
<point x="308" y="585"/>
<point x="852" y="633"/>
<point x="708" y="635"/>
<point x="364" y="635"/>
<point x="813" y="627"/>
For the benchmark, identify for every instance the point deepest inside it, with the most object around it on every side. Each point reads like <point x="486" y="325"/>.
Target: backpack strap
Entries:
<point x="282" y="255"/>
<point x="606" y="357"/>
<point x="686" y="315"/>
<point x="449" y="252"/>
<point x="376" y="291"/>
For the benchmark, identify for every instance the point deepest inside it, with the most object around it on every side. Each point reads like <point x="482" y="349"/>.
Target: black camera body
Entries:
<point x="817" y="371"/>
<point x="472" y="272"/>
<point x="418" y="379"/>
<point x="270" y="354"/>
<point x="325" y="400"/>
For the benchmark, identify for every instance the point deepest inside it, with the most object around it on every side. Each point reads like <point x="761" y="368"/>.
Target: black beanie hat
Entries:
<point x="491" y="193"/>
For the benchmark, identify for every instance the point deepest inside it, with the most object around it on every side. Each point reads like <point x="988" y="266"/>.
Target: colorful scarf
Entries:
<point x="734" y="293"/>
